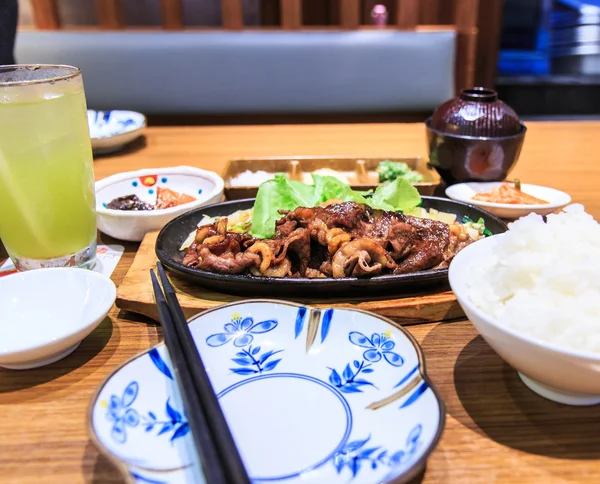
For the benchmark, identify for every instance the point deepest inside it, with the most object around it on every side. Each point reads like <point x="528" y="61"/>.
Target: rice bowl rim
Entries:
<point x="457" y="280"/>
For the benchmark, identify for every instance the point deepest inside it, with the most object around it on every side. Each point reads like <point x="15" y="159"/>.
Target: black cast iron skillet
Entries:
<point x="175" y="232"/>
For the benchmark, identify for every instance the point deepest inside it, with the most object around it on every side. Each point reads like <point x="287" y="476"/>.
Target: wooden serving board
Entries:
<point x="135" y="294"/>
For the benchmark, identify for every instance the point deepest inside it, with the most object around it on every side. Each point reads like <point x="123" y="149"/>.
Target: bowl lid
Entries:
<point x="476" y="112"/>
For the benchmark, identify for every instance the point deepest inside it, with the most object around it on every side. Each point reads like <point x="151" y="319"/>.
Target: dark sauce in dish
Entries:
<point x="130" y="203"/>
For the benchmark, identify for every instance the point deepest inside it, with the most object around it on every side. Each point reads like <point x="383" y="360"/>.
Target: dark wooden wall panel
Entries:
<point x="110" y="14"/>
<point x="172" y="14"/>
<point x="317" y="12"/>
<point x="46" y="14"/>
<point x="270" y="13"/>
<point x="488" y="42"/>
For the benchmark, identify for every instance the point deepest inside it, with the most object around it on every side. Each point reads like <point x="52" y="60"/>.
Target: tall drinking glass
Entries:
<point x="47" y="206"/>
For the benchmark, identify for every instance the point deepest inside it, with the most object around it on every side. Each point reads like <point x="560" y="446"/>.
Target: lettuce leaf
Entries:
<point x="274" y="195"/>
<point x="283" y="194"/>
<point x="395" y="196"/>
<point x="329" y="188"/>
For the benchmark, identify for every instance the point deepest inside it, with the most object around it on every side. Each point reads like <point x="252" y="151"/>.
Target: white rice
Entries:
<point x="543" y="279"/>
<point x="250" y="178"/>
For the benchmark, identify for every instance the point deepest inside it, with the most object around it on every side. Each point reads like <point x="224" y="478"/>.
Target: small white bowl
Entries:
<point x="205" y="185"/>
<point x="46" y="313"/>
<point x="111" y="130"/>
<point x="464" y="192"/>
<point x="560" y="374"/>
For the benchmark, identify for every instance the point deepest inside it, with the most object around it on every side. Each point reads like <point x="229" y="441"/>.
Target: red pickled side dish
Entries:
<point x="165" y="198"/>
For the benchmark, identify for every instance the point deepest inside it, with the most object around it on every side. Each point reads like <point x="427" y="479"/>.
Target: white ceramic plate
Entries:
<point x="205" y="186"/>
<point x="311" y="396"/>
<point x="111" y="130"/>
<point x="45" y="313"/>
<point x="464" y="192"/>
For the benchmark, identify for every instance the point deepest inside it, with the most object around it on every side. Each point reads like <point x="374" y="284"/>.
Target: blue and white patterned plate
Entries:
<point x="311" y="395"/>
<point x="111" y="130"/>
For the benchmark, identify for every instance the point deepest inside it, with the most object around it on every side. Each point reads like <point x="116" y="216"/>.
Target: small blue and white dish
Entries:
<point x="311" y="395"/>
<point x="111" y="130"/>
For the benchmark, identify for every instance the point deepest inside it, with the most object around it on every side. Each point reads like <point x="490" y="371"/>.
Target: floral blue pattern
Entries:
<point x="349" y="382"/>
<point x="357" y="454"/>
<point x="104" y="124"/>
<point x="119" y="412"/>
<point x="242" y="332"/>
<point x="378" y="346"/>
<point x="175" y="422"/>
<point x="249" y="360"/>
<point x="253" y="362"/>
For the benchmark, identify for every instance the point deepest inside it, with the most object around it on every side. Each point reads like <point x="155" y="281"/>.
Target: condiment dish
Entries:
<point x="112" y="130"/>
<point x="560" y="374"/>
<point x="205" y="186"/>
<point x="46" y="313"/>
<point x="464" y="192"/>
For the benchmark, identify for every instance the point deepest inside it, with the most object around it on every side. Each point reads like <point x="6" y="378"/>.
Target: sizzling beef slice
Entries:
<point x="391" y="231"/>
<point x="226" y="263"/>
<point x="339" y="240"/>
<point x="455" y="245"/>
<point x="428" y="245"/>
<point x="190" y="259"/>
<point x="346" y="215"/>
<point x="284" y="228"/>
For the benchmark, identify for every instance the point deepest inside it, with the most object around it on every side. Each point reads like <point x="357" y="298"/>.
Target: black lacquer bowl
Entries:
<point x="172" y="236"/>
<point x="474" y="137"/>
<point x="469" y="158"/>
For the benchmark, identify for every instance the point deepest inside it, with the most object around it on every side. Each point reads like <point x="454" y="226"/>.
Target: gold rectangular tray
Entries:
<point x="360" y="171"/>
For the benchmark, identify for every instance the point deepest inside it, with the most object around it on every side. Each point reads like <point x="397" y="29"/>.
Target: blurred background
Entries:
<point x="549" y="61"/>
<point x="191" y="61"/>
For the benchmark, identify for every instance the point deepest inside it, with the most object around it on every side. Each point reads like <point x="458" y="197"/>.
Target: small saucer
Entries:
<point x="311" y="395"/>
<point x="46" y="313"/>
<point x="464" y="192"/>
<point x="112" y="130"/>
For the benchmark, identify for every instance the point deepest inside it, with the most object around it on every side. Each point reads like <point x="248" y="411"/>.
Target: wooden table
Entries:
<point x="496" y="430"/>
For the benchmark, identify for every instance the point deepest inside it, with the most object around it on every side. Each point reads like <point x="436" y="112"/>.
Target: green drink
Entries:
<point x="47" y="207"/>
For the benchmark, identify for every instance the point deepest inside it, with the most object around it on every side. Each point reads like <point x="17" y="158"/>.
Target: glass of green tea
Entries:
<point x="47" y="200"/>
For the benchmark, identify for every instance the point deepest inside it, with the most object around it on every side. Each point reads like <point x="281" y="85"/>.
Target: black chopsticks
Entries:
<point x="218" y="454"/>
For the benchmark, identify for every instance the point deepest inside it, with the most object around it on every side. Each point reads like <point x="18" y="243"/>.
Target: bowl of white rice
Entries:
<point x="534" y="295"/>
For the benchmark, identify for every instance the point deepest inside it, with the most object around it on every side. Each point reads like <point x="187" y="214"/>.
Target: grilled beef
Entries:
<point x="339" y="240"/>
